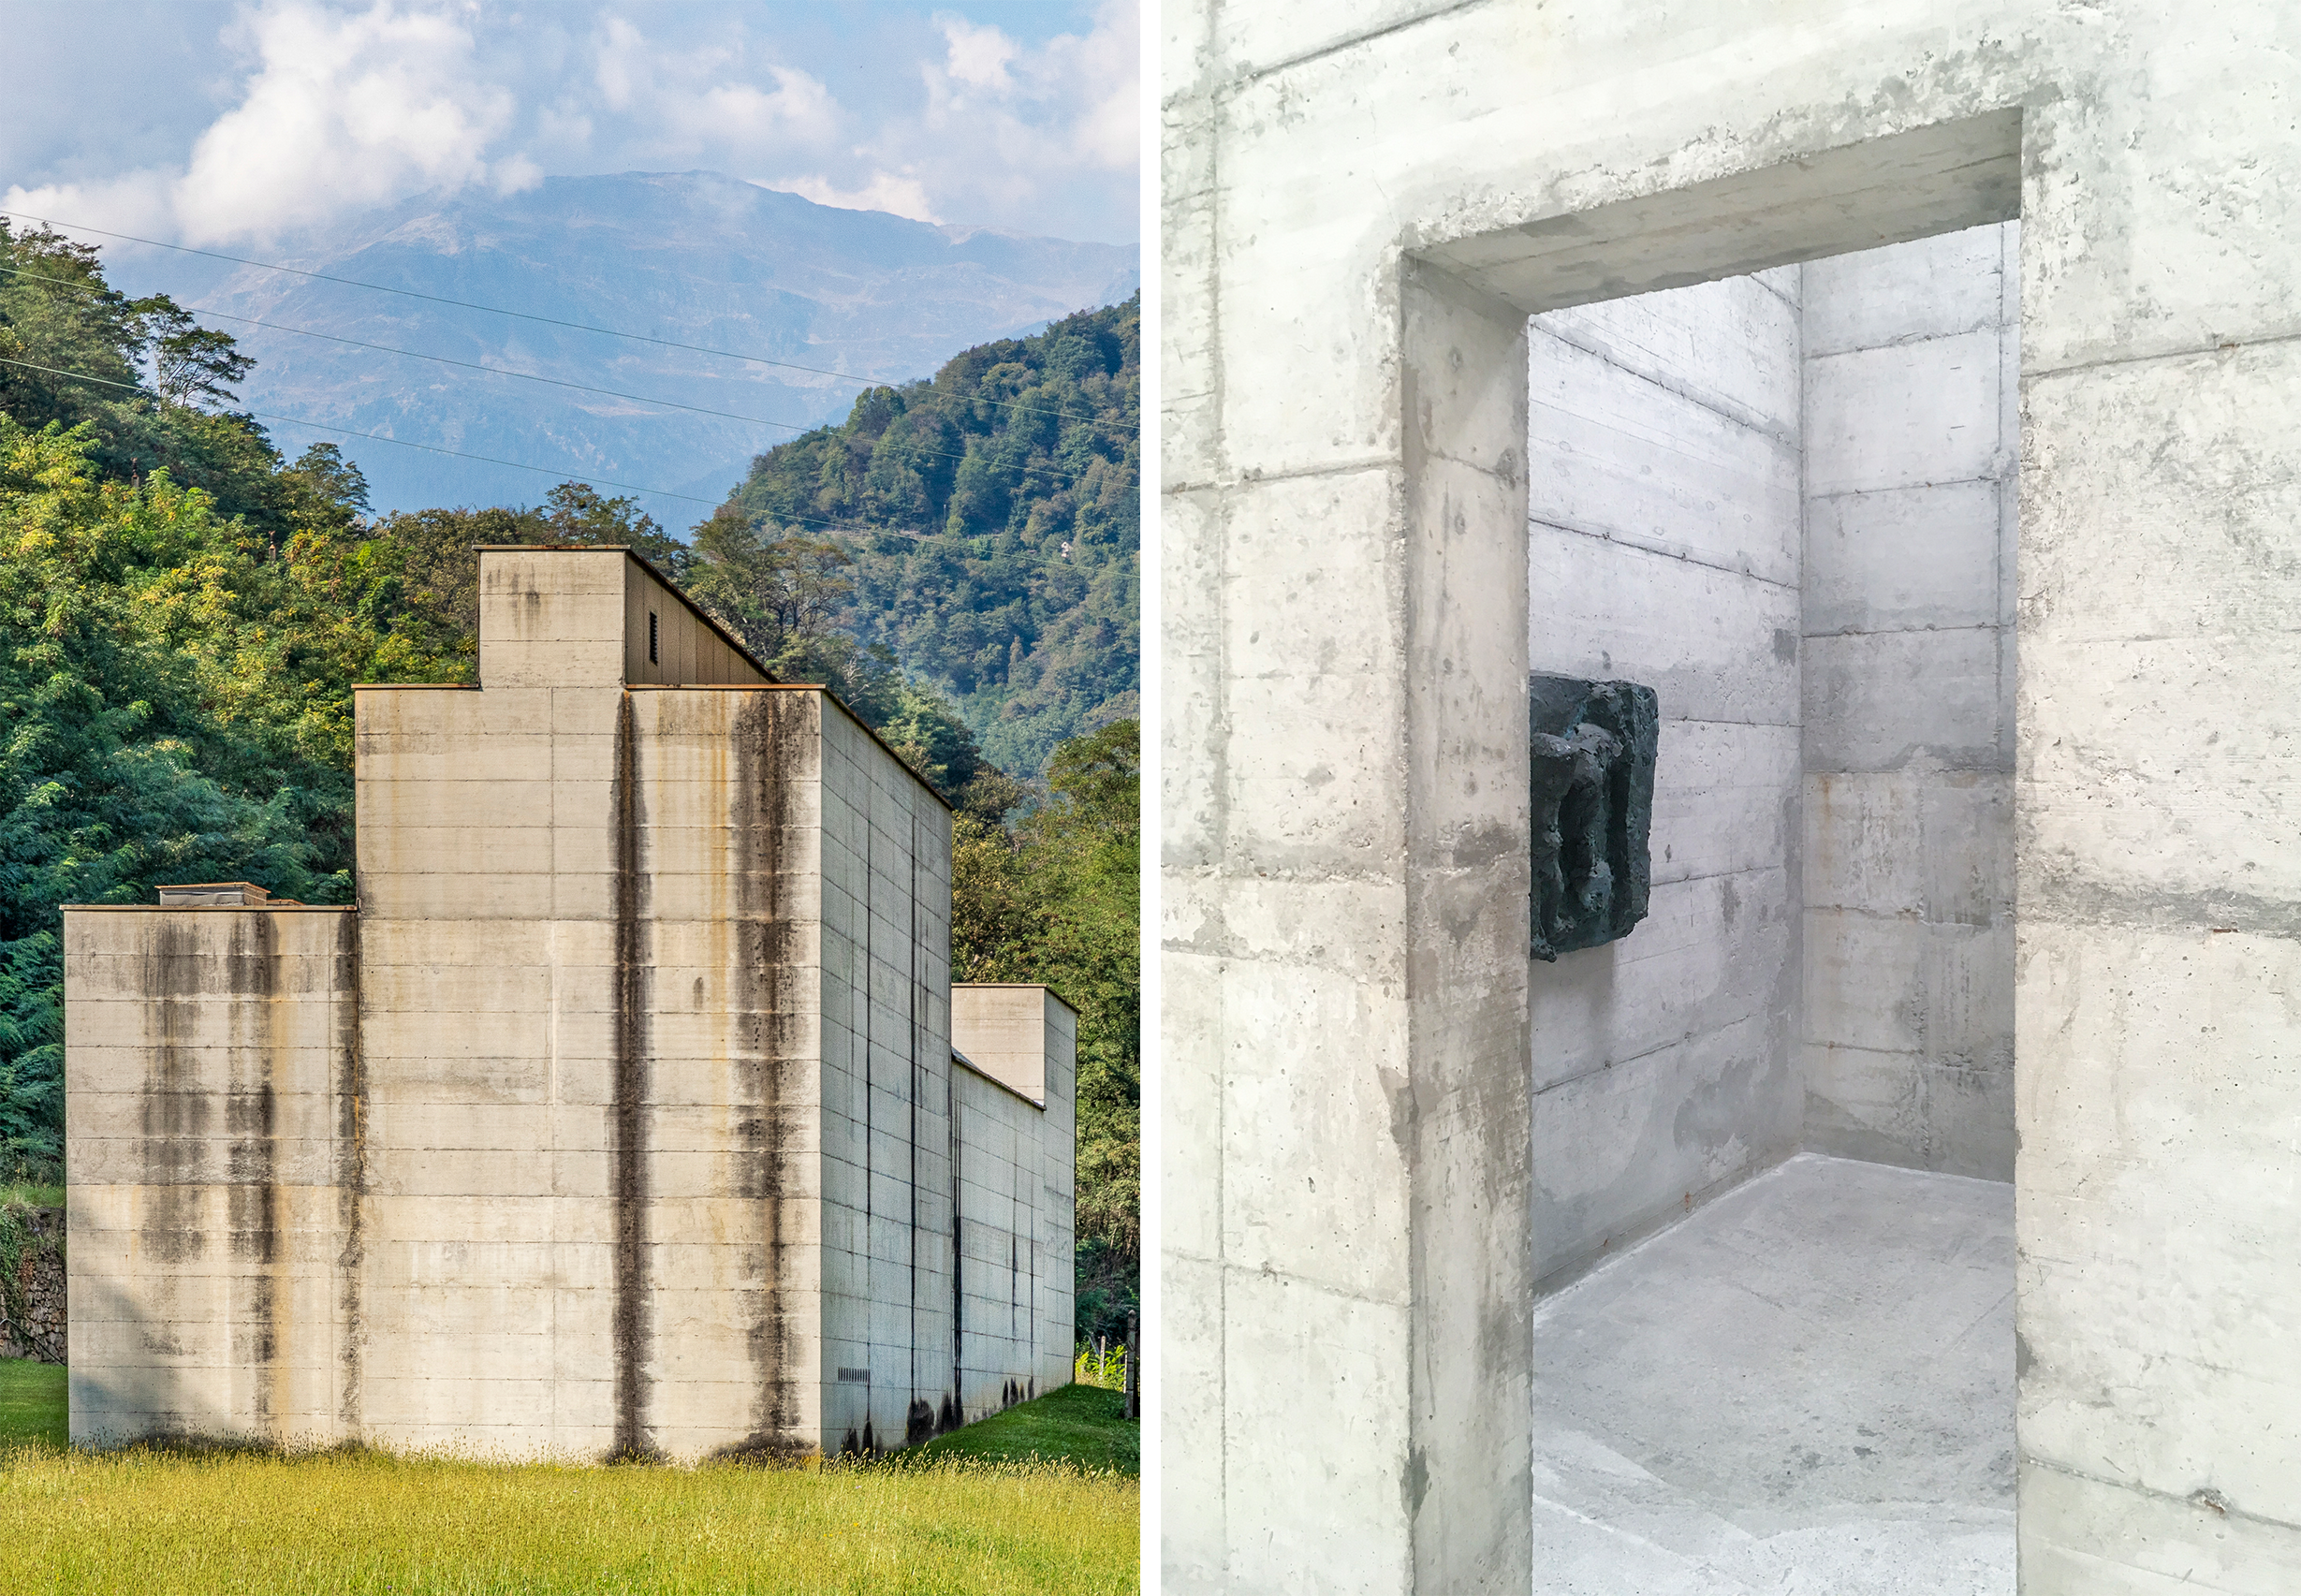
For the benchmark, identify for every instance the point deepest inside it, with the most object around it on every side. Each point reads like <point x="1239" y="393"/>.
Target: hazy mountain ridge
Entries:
<point x="693" y="257"/>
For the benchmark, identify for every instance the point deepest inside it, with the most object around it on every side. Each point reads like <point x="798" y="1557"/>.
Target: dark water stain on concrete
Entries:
<point x="628" y="1129"/>
<point x="252" y="971"/>
<point x="952" y="1402"/>
<point x="350" y="1168"/>
<point x="775" y="740"/>
<point x="174" y="1113"/>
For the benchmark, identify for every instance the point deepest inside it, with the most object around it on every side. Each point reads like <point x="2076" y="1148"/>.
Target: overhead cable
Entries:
<point x="525" y="376"/>
<point x="541" y="470"/>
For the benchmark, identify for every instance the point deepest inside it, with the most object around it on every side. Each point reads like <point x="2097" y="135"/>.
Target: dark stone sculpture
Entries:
<point x="1591" y="779"/>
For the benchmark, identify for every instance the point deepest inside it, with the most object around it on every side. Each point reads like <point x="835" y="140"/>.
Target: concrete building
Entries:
<point x="1952" y="546"/>
<point x="632" y="1111"/>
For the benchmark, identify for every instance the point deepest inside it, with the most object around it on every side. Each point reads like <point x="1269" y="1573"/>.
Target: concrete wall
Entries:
<point x="578" y="618"/>
<point x="212" y="1087"/>
<point x="1663" y="535"/>
<point x="888" y="1366"/>
<point x="714" y="1095"/>
<point x="1017" y="1104"/>
<point x="628" y="1091"/>
<point x="590" y="1026"/>
<point x="1363" y="202"/>
<point x="1913" y="434"/>
<point x="669" y="641"/>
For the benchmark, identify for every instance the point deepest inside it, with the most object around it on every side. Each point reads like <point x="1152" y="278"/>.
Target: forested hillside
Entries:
<point x="183" y="610"/>
<point x="992" y="517"/>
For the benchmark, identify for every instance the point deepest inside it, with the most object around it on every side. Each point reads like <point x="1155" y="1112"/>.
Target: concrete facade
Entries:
<point x="1015" y="1178"/>
<point x="620" y="1119"/>
<point x="1364" y="203"/>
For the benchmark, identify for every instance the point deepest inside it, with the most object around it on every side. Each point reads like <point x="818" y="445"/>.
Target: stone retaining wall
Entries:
<point x="31" y="1311"/>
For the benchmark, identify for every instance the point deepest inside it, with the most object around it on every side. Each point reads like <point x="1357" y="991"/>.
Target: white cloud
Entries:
<point x="898" y="193"/>
<point x="344" y="111"/>
<point x="139" y="203"/>
<point x="800" y="108"/>
<point x="317" y="108"/>
<point x="977" y="56"/>
<point x="1006" y="133"/>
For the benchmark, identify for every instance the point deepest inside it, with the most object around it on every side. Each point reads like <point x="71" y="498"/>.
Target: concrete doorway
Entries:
<point x="1787" y="501"/>
<point x="1364" y="207"/>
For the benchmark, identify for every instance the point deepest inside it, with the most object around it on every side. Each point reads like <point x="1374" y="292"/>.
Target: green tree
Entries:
<point x="128" y="757"/>
<point x="990" y="526"/>
<point x="1056" y="899"/>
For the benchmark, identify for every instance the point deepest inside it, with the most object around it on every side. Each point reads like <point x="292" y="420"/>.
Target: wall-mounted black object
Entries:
<point x="1591" y="779"/>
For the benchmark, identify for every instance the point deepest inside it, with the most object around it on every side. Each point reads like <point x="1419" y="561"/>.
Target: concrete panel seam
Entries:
<point x="1247" y="79"/>
<point x="1748" y="420"/>
<point x="2205" y="1496"/>
<point x="2197" y="351"/>
<point x="1659" y="553"/>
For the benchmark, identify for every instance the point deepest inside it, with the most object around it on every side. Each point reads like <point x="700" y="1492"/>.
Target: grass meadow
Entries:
<point x="1042" y="1498"/>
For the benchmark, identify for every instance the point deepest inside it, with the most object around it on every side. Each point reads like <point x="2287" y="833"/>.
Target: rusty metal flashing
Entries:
<point x="645" y="564"/>
<point x="975" y="1069"/>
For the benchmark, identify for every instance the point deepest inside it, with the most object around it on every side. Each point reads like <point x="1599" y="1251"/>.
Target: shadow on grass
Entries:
<point x="1079" y="1424"/>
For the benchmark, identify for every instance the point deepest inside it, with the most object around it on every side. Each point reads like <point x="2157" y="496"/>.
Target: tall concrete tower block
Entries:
<point x="647" y="1138"/>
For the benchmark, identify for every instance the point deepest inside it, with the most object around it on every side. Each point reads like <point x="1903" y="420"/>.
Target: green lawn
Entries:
<point x="1040" y="1498"/>
<point x="1078" y="1424"/>
<point x="32" y="1400"/>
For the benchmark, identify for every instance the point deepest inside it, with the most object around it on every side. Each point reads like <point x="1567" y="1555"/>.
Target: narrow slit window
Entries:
<point x="654" y="638"/>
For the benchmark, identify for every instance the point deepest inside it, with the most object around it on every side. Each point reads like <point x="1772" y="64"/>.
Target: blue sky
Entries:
<point x="232" y="123"/>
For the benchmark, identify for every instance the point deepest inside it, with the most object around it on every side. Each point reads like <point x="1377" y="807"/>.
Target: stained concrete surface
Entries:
<point x="1807" y="1386"/>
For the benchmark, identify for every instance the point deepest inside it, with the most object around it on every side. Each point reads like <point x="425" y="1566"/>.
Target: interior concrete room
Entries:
<point x="1786" y="502"/>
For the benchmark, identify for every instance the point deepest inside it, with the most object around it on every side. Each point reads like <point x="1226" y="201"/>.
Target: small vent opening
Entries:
<point x="654" y="638"/>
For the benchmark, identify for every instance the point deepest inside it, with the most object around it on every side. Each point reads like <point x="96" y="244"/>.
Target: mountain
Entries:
<point x="691" y="258"/>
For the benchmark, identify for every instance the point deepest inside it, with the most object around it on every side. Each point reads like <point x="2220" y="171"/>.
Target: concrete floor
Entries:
<point x="1807" y="1386"/>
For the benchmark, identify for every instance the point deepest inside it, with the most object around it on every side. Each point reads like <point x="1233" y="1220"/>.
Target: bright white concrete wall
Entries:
<point x="1340" y="1360"/>
<point x="1663" y="535"/>
<point x="211" y="1063"/>
<point x="1913" y="435"/>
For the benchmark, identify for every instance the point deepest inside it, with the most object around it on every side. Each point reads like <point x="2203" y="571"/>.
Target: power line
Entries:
<point x="373" y="437"/>
<point x="524" y="376"/>
<point x="523" y="315"/>
<point x="515" y="465"/>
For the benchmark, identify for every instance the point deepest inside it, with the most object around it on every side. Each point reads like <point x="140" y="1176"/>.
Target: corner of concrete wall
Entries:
<point x="1463" y="1111"/>
<point x="212" y="1088"/>
<point x="1663" y="540"/>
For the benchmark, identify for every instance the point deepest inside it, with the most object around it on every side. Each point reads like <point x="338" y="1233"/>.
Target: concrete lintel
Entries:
<point x="1931" y="180"/>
